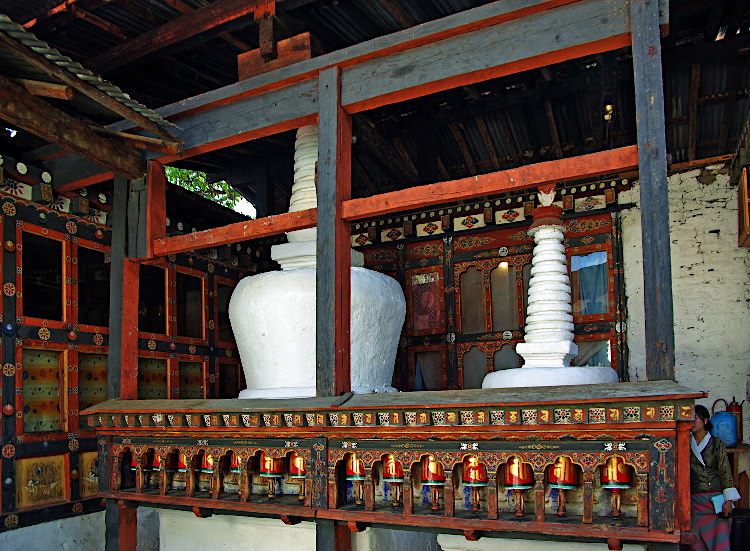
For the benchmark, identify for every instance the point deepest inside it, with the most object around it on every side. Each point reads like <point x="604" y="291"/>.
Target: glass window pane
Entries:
<point x="42" y="277"/>
<point x="223" y="294"/>
<point x="504" y="298"/>
<point x="93" y="288"/>
<point x="474" y="368"/>
<point x="593" y="353"/>
<point x="41" y="390"/>
<point x="189" y="306"/>
<point x="426" y="290"/>
<point x="92" y="379"/>
<point x="473" y="309"/>
<point x="428" y="370"/>
<point x="588" y="281"/>
<point x="191" y="380"/>
<point x="152" y="296"/>
<point x="152" y="378"/>
<point x="506" y="358"/>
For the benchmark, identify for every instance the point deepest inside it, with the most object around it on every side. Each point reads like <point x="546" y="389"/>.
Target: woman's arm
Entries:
<point x="725" y="474"/>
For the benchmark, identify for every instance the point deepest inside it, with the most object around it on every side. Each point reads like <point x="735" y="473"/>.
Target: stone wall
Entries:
<point x="710" y="286"/>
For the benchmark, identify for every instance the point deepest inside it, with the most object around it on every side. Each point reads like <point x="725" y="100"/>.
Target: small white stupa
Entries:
<point x="273" y="313"/>
<point x="548" y="347"/>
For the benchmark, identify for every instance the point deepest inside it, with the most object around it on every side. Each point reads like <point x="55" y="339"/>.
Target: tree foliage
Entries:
<point x="219" y="192"/>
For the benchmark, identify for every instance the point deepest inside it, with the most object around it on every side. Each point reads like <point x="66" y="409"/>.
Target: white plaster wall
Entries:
<point x="710" y="286"/>
<point x="183" y="531"/>
<point x="460" y="543"/>
<point x="82" y="533"/>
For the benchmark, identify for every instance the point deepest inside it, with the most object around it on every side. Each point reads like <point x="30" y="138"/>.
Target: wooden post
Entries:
<point x="333" y="262"/>
<point x="652" y="165"/>
<point x="122" y="360"/>
<point x="156" y="215"/>
<point x="334" y="240"/>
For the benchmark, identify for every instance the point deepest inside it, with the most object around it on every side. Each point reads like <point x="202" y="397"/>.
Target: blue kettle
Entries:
<point x="724" y="425"/>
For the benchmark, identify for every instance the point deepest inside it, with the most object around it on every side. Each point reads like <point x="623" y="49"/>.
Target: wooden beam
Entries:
<point x="695" y="82"/>
<point x="292" y="50"/>
<point x="563" y="170"/>
<point x="553" y="128"/>
<point x="97" y="21"/>
<point x="239" y="231"/>
<point x="733" y="83"/>
<point x="46" y="89"/>
<point x="652" y="165"/>
<point x="372" y="142"/>
<point x="18" y="107"/>
<point x="61" y="7"/>
<point x="487" y="140"/>
<point x="85" y="88"/>
<point x="563" y="33"/>
<point x="463" y="147"/>
<point x="333" y="280"/>
<point x="156" y="215"/>
<point x="142" y="142"/>
<point x="181" y="29"/>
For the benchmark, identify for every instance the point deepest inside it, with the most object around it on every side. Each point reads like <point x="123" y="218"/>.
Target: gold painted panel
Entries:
<point x="40" y="481"/>
<point x="88" y="464"/>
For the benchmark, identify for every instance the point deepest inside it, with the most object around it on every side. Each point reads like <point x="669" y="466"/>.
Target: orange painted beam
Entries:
<point x="232" y="233"/>
<point x="561" y="170"/>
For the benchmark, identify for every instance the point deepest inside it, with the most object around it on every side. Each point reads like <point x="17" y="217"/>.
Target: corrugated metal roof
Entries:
<point x="22" y="69"/>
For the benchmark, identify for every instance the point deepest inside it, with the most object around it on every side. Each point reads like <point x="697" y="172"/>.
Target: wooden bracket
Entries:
<point x="356" y="526"/>
<point x="613" y="544"/>
<point x="202" y="512"/>
<point x="290" y="520"/>
<point x="472" y="535"/>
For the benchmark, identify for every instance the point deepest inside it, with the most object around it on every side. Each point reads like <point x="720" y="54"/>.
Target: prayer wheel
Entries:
<point x="434" y="477"/>
<point x="270" y="469"/>
<point x="562" y="476"/>
<point x="207" y="464"/>
<point x="298" y="472"/>
<point x="475" y="476"/>
<point x="616" y="476"/>
<point x="518" y="477"/>
<point x="182" y="463"/>
<point x="393" y="474"/>
<point x="355" y="473"/>
<point x="296" y="466"/>
<point x="156" y="465"/>
<point x="235" y="466"/>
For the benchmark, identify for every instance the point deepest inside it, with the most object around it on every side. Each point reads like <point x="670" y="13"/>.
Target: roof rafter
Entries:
<point x="22" y="109"/>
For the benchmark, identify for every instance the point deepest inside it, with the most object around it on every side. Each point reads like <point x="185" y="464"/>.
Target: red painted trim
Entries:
<point x="250" y="229"/>
<point x="561" y="170"/>
<point x="129" y="344"/>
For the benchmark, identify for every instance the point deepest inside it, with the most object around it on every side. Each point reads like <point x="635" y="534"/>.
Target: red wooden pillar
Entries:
<point x="129" y="335"/>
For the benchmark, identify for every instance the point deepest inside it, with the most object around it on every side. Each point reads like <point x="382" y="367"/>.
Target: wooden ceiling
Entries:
<point x="162" y="51"/>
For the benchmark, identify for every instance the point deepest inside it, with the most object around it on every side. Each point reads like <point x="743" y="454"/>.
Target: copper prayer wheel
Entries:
<point x="392" y="470"/>
<point x="355" y="470"/>
<point x="432" y="471"/>
<point x="269" y="466"/>
<point x="475" y="473"/>
<point x="615" y="474"/>
<point x="562" y="475"/>
<point x="297" y="466"/>
<point x="518" y="475"/>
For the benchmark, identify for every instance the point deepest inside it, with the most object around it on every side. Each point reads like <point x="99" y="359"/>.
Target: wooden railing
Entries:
<point x="527" y="461"/>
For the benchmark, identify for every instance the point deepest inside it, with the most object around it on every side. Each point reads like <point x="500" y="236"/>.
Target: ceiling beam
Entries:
<point x="582" y="167"/>
<point x="20" y="108"/>
<point x="178" y="30"/>
<point x="85" y="88"/>
<point x="46" y="89"/>
<point x="372" y="142"/>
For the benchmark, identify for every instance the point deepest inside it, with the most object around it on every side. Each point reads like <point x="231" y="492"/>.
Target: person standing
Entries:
<point x="710" y="482"/>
